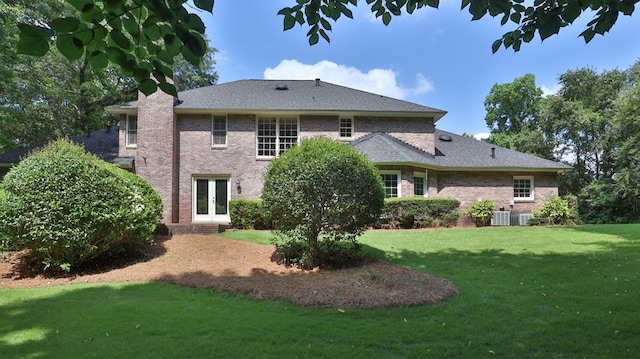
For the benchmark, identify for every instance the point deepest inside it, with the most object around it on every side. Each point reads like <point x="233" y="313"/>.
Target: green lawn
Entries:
<point x="525" y="292"/>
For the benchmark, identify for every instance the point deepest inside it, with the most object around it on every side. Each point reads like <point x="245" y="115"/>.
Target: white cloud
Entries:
<point x="546" y="91"/>
<point x="379" y="81"/>
<point x="481" y="136"/>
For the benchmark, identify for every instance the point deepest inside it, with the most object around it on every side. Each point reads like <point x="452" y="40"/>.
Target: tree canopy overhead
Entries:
<point x="542" y="17"/>
<point x="144" y="36"/>
<point x="140" y="36"/>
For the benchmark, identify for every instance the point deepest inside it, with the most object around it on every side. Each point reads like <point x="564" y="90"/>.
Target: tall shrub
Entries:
<point x="480" y="212"/>
<point x="319" y="193"/>
<point x="556" y="210"/>
<point x="68" y="206"/>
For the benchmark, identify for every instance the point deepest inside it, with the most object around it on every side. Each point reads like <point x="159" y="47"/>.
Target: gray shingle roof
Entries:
<point x="299" y="95"/>
<point x="102" y="143"/>
<point x="460" y="153"/>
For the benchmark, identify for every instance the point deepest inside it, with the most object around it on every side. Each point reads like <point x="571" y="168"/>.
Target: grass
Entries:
<point x="542" y="292"/>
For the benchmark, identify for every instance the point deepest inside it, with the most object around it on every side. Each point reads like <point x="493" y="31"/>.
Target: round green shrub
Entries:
<point x="321" y="190"/>
<point x="68" y="207"/>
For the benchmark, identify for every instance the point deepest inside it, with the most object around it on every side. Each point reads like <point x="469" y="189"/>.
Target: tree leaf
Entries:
<point x="324" y="35"/>
<point x="496" y="46"/>
<point x="70" y="47"/>
<point x="325" y="24"/>
<point x="113" y="4"/>
<point x="92" y="13"/>
<point x="168" y="89"/>
<point x="516" y="17"/>
<point x="79" y="4"/>
<point x="120" y="39"/>
<point x="313" y="39"/>
<point x="98" y="60"/>
<point x="147" y="86"/>
<point x="65" y="24"/>
<point x="571" y="11"/>
<point x="116" y="55"/>
<point x="386" y="18"/>
<point x="196" y="23"/>
<point x="588" y="35"/>
<point x="32" y="45"/>
<point x="206" y="5"/>
<point x="289" y="22"/>
<point x="172" y="44"/>
<point x="34" y="31"/>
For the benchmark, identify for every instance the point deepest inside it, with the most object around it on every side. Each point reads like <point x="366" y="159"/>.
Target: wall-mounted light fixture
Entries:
<point x="238" y="187"/>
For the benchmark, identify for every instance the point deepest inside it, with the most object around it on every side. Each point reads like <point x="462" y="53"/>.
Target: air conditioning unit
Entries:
<point x="523" y="218"/>
<point x="520" y="219"/>
<point x="501" y="218"/>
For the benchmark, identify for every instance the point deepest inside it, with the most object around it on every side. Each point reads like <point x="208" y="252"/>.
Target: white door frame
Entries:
<point x="205" y="206"/>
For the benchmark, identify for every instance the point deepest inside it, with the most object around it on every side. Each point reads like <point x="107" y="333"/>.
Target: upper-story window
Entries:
<point x="420" y="184"/>
<point x="219" y="131"/>
<point x="275" y="135"/>
<point x="131" y="133"/>
<point x="523" y="188"/>
<point x="346" y="128"/>
<point x="391" y="181"/>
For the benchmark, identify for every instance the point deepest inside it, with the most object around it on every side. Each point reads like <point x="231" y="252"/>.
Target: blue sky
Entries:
<point x="434" y="57"/>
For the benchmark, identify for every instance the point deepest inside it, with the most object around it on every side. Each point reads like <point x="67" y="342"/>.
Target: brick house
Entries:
<point x="213" y="144"/>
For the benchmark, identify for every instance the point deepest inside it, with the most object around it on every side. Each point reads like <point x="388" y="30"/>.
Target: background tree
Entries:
<point x="513" y="117"/>
<point x="318" y="194"/>
<point x="48" y="97"/>
<point x="190" y="76"/>
<point x="581" y="117"/>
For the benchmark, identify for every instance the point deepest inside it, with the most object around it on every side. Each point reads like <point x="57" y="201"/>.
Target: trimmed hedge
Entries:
<point x="419" y="212"/>
<point x="248" y="214"/>
<point x="397" y="213"/>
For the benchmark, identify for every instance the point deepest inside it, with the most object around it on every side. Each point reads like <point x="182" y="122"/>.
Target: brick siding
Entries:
<point x="172" y="150"/>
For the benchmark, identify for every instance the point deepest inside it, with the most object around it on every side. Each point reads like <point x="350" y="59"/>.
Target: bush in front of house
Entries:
<point x="480" y="212"/>
<point x="319" y="192"/>
<point x="419" y="212"/>
<point x="68" y="207"/>
<point x="248" y="214"/>
<point x="554" y="210"/>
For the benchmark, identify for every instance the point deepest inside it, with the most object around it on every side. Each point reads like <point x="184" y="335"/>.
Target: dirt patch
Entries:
<point x="229" y="265"/>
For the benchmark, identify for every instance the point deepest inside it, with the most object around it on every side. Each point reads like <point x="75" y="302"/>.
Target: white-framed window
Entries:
<point x="419" y="184"/>
<point x="219" y="131"/>
<point x="345" y="128"/>
<point x="275" y="135"/>
<point x="392" y="182"/>
<point x="523" y="188"/>
<point x="131" y="133"/>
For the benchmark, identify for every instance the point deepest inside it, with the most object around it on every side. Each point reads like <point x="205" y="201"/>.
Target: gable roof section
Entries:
<point x="305" y="96"/>
<point x="102" y="143"/>
<point x="460" y="153"/>
<point x="381" y="148"/>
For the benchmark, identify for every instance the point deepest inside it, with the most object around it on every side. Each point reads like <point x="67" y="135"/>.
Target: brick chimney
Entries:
<point x="155" y="155"/>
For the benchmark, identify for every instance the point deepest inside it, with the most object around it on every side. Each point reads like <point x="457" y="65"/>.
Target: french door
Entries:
<point x="211" y="199"/>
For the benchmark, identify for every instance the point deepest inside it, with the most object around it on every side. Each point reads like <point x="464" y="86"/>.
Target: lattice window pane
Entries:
<point x="219" y="131"/>
<point x="346" y="128"/>
<point x="390" y="181"/>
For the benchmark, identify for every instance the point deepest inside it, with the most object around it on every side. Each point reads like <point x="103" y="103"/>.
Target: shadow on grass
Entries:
<point x="514" y="305"/>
